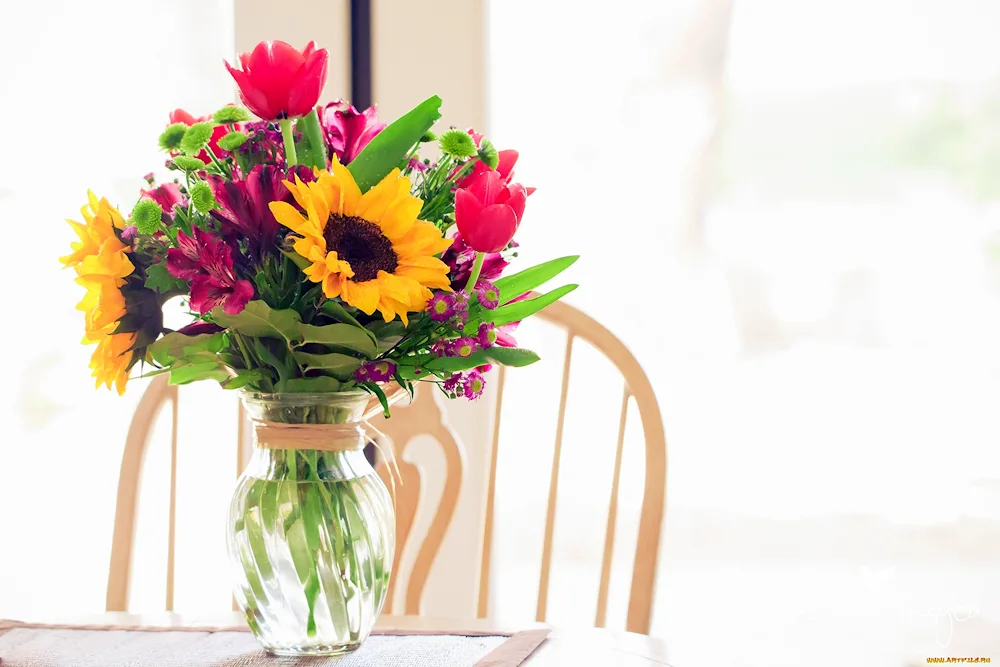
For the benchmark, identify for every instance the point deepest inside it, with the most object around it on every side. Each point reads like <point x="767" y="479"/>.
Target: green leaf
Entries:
<point x="356" y="339"/>
<point x="176" y="347"/>
<point x="195" y="138"/>
<point x="281" y="361"/>
<point x="158" y="278"/>
<point x="511" y="356"/>
<point x="515" y="285"/>
<point x="515" y="312"/>
<point x="316" y="385"/>
<point x="393" y="143"/>
<point x="313" y="145"/>
<point x="456" y="364"/>
<point x="259" y="321"/>
<point x="243" y="378"/>
<point x="184" y="372"/>
<point x="339" y="365"/>
<point x="377" y="390"/>
<point x="337" y="311"/>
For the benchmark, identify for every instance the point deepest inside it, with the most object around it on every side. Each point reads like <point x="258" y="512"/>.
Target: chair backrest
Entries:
<point x="425" y="417"/>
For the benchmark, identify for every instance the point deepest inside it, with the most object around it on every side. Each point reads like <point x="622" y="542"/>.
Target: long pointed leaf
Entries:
<point x="515" y="312"/>
<point x="515" y="285"/>
<point x="392" y="144"/>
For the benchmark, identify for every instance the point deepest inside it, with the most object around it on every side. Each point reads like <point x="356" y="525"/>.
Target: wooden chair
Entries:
<point x="425" y="417"/>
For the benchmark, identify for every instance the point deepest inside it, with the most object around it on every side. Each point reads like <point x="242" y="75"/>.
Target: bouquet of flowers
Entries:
<point x="316" y="248"/>
<point x="325" y="257"/>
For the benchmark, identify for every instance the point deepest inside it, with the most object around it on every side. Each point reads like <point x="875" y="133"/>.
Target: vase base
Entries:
<point x="321" y="650"/>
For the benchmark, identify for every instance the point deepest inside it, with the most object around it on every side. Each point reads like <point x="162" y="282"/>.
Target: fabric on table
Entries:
<point x="48" y="647"/>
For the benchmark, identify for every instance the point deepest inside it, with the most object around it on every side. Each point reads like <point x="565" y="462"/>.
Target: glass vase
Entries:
<point x="311" y="526"/>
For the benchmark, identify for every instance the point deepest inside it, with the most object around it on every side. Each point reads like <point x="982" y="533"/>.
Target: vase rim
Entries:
<point x="303" y="397"/>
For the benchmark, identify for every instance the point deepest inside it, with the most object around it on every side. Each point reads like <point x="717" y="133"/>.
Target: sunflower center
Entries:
<point x="362" y="244"/>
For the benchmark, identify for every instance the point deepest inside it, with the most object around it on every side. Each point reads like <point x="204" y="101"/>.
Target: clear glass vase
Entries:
<point x="311" y="527"/>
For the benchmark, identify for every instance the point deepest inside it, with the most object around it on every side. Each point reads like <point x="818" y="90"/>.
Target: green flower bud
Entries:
<point x="202" y="197"/>
<point x="195" y="138"/>
<point x="188" y="163"/>
<point x="231" y="114"/>
<point x="146" y="216"/>
<point x="488" y="154"/>
<point x="171" y="138"/>
<point x="428" y="137"/>
<point x="457" y="143"/>
<point x="233" y="140"/>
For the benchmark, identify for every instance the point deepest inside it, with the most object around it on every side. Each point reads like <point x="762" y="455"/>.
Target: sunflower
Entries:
<point x="368" y="249"/>
<point x="102" y="265"/>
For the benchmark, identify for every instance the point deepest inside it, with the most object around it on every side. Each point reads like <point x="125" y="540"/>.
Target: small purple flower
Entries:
<point x="488" y="294"/>
<point x="439" y="348"/>
<point x="441" y="307"/>
<point x="453" y="384"/>
<point x="473" y="385"/>
<point x="417" y="165"/>
<point x="461" y="300"/>
<point x="129" y="233"/>
<point x="461" y="347"/>
<point x="375" y="371"/>
<point x="487" y="336"/>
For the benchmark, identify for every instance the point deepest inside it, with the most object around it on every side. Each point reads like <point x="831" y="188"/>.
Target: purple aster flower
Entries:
<point x="129" y="233"/>
<point x="441" y="307"/>
<point x="461" y="347"/>
<point x="473" y="385"/>
<point x="453" y="385"/>
<point x="375" y="371"/>
<point x="487" y="336"/>
<point x="439" y="348"/>
<point x="488" y="294"/>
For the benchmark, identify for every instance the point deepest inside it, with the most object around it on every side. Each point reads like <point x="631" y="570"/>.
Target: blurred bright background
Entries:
<point x="787" y="210"/>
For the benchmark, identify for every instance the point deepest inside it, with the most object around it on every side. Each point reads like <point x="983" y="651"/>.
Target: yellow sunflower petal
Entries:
<point x="349" y="192"/>
<point x="363" y="296"/>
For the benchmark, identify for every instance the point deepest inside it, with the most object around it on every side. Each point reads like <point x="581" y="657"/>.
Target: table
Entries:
<point x="563" y="647"/>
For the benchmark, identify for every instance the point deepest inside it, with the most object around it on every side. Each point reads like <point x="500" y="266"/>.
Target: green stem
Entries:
<point x="289" y="136"/>
<point x="476" y="270"/>
<point x="314" y="135"/>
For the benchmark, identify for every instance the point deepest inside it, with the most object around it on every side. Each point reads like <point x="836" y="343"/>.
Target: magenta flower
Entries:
<point x="208" y="263"/>
<point x="417" y="165"/>
<point x="473" y="385"/>
<point x="460" y="258"/>
<point x="167" y="196"/>
<point x="461" y="347"/>
<point x="441" y="307"/>
<point x="375" y="371"/>
<point x="476" y="136"/>
<point x="243" y="206"/>
<point x="488" y="294"/>
<point x="487" y="335"/>
<point x="439" y="348"/>
<point x="348" y="130"/>
<point x="453" y="384"/>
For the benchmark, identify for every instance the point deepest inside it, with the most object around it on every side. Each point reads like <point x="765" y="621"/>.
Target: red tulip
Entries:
<point x="181" y="116"/>
<point x="277" y="81"/>
<point x="488" y="211"/>
<point x="505" y="166"/>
